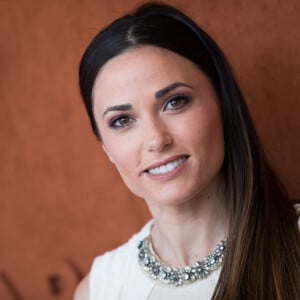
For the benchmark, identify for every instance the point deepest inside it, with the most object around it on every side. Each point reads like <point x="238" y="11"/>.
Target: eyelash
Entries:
<point x="114" y="121"/>
<point x="184" y="101"/>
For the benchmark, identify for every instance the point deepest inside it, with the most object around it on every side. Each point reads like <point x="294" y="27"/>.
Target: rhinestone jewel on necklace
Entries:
<point x="178" y="276"/>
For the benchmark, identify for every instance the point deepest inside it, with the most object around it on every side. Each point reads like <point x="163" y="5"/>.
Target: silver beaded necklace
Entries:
<point x="178" y="276"/>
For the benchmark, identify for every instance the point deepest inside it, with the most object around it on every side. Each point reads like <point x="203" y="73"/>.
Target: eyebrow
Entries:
<point x="122" y="107"/>
<point x="159" y="94"/>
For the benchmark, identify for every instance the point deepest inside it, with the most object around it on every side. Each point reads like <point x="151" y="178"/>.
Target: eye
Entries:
<point x="121" y="122"/>
<point x="177" y="102"/>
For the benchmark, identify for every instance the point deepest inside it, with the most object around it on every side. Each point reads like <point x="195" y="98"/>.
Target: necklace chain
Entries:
<point x="178" y="276"/>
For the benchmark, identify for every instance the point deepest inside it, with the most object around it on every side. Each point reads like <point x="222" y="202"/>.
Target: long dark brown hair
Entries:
<point x="264" y="246"/>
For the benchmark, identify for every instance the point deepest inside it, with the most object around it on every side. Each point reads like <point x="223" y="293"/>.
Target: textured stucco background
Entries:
<point x="61" y="201"/>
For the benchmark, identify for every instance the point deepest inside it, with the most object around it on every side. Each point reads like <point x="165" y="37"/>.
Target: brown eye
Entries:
<point x="176" y="102"/>
<point x="120" y="122"/>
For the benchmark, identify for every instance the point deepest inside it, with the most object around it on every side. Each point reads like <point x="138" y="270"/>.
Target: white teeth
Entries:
<point x="168" y="167"/>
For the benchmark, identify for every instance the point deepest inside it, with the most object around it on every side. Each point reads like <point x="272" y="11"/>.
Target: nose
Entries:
<point x="157" y="136"/>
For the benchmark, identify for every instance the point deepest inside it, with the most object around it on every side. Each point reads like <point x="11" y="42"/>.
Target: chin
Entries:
<point x="173" y="198"/>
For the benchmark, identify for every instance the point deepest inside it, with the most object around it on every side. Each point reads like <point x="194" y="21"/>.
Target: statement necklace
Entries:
<point x="178" y="276"/>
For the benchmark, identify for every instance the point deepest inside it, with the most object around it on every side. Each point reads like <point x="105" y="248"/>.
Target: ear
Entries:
<point x="105" y="150"/>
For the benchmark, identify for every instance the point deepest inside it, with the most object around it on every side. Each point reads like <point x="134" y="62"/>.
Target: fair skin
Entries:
<point x="160" y="125"/>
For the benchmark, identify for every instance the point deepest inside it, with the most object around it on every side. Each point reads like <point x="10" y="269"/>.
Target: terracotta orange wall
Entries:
<point x="62" y="202"/>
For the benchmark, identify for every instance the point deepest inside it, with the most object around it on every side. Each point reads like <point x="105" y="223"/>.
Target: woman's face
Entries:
<point x="160" y="124"/>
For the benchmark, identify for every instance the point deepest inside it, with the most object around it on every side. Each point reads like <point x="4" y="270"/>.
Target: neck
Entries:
<point x="185" y="233"/>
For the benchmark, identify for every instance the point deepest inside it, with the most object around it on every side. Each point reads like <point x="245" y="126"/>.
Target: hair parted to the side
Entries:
<point x="264" y="253"/>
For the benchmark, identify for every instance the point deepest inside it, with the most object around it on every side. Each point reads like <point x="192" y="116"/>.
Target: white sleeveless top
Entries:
<point x="118" y="275"/>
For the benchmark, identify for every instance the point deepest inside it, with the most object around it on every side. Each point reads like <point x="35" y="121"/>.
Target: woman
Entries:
<point x="164" y="104"/>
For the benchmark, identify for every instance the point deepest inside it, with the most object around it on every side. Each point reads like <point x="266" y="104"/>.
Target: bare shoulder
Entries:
<point x="82" y="290"/>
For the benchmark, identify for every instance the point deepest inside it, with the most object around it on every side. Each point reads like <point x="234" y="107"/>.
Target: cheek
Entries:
<point x="117" y="153"/>
<point x="125" y="159"/>
<point x="213" y="135"/>
<point x="120" y="153"/>
<point x="202" y="124"/>
<point x="205" y="132"/>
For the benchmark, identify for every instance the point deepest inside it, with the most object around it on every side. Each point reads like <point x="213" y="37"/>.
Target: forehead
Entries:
<point x="143" y="70"/>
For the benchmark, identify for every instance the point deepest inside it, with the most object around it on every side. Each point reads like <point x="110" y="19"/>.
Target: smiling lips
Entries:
<point x="167" y="167"/>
